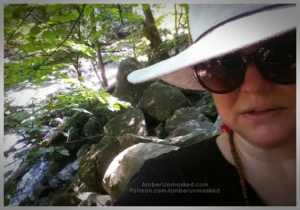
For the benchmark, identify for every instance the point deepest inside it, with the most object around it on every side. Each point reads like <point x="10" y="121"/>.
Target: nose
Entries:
<point x="254" y="82"/>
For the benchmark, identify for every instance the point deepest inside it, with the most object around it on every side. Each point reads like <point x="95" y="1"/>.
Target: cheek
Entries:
<point x="225" y="104"/>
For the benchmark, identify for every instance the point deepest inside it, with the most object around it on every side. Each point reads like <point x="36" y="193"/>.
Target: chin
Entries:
<point x="266" y="137"/>
<point x="272" y="140"/>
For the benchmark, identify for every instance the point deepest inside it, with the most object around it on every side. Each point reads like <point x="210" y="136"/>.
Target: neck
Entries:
<point x="265" y="168"/>
<point x="284" y="153"/>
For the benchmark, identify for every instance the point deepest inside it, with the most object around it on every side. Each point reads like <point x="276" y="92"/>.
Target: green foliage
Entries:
<point x="82" y="97"/>
<point x="41" y="40"/>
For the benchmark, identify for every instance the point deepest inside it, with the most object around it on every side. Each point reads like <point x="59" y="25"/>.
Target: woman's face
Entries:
<point x="260" y="111"/>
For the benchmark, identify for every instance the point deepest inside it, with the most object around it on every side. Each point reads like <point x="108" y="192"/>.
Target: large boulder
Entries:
<point x="132" y="121"/>
<point x="185" y="114"/>
<point x="188" y="139"/>
<point x="128" y="163"/>
<point x="66" y="199"/>
<point x="217" y="126"/>
<point x="190" y="126"/>
<point x="161" y="100"/>
<point x="125" y="90"/>
<point x="94" y="164"/>
<point x="209" y="110"/>
<point x="128" y="140"/>
<point x="93" y="127"/>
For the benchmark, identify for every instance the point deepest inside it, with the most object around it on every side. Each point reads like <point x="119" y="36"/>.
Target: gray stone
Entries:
<point x="66" y="199"/>
<point x="93" y="127"/>
<point x="132" y="121"/>
<point x="125" y="90"/>
<point x="190" y="126"/>
<point x="216" y="129"/>
<point x="128" y="163"/>
<point x="160" y="101"/>
<point x="128" y="140"/>
<point x="83" y="150"/>
<point x="68" y="172"/>
<point x="189" y="139"/>
<point x="94" y="164"/>
<point x="184" y="115"/>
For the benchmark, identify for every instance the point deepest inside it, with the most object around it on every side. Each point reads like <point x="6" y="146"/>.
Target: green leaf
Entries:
<point x="88" y="10"/>
<point x="134" y="17"/>
<point x="48" y="35"/>
<point x="64" y="152"/>
<point x="27" y="48"/>
<point x="34" y="31"/>
<point x="53" y="7"/>
<point x="73" y="15"/>
<point x="7" y="12"/>
<point x="13" y="188"/>
<point x="61" y="32"/>
<point x="88" y="51"/>
<point x="145" y="6"/>
<point x="117" y="106"/>
<point x="44" y="151"/>
<point x="82" y="110"/>
<point x="6" y="201"/>
<point x="31" y="153"/>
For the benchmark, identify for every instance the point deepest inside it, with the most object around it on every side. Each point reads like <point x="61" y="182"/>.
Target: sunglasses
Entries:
<point x="276" y="61"/>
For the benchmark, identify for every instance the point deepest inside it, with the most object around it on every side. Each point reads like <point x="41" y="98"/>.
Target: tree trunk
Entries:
<point x="153" y="35"/>
<point x="186" y="8"/>
<point x="99" y="56"/>
<point x="95" y="70"/>
<point x="176" y="29"/>
<point x="101" y="64"/>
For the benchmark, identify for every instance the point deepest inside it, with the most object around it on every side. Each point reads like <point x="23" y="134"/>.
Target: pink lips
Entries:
<point x="259" y="113"/>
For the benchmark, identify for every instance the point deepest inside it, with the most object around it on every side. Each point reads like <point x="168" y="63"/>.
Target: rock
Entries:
<point x="94" y="199"/>
<point x="216" y="129"/>
<point x="128" y="140"/>
<point x="184" y="115"/>
<point x="209" y="110"/>
<point x="190" y="126"/>
<point x="45" y="201"/>
<point x="69" y="171"/>
<point x="94" y="164"/>
<point x="93" y="127"/>
<point x="205" y="97"/>
<point x="188" y="139"/>
<point x="83" y="150"/>
<point x="128" y="163"/>
<point x="160" y="131"/>
<point x="132" y="121"/>
<point x="54" y="137"/>
<point x="66" y="199"/>
<point x="161" y="100"/>
<point x="55" y="182"/>
<point x="125" y="90"/>
<point x="26" y="202"/>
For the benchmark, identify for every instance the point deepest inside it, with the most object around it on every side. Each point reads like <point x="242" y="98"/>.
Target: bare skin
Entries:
<point x="265" y="140"/>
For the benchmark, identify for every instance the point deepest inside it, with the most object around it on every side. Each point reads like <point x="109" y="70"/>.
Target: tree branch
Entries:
<point x="21" y="23"/>
<point x="70" y="32"/>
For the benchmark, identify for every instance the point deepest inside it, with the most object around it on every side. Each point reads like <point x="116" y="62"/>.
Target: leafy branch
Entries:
<point x="67" y="37"/>
<point x="23" y="20"/>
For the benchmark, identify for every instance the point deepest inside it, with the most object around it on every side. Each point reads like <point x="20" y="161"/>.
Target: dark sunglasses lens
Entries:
<point x="277" y="60"/>
<point x="221" y="75"/>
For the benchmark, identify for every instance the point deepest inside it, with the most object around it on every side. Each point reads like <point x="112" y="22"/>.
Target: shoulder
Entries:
<point x="205" y="150"/>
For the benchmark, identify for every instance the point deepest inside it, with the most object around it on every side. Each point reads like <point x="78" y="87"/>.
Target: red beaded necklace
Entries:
<point x="236" y="160"/>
